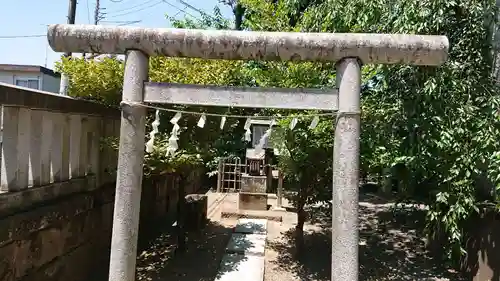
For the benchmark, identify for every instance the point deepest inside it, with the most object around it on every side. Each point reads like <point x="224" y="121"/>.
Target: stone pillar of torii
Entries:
<point x="349" y="51"/>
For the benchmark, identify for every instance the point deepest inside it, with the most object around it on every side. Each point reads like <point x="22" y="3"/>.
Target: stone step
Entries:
<point x="247" y="244"/>
<point x="251" y="226"/>
<point x="268" y="215"/>
<point x="235" y="267"/>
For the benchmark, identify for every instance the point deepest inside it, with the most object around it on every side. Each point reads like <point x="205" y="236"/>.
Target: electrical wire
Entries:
<point x="138" y="10"/>
<point x="130" y="11"/>
<point x="196" y="9"/>
<point x="21" y="36"/>
<point x="88" y="11"/>
<point x="179" y="9"/>
<point x="133" y="9"/>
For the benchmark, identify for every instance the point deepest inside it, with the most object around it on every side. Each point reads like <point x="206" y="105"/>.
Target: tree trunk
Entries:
<point x="181" y="233"/>
<point x="299" y="234"/>
<point x="301" y="219"/>
<point x="238" y="11"/>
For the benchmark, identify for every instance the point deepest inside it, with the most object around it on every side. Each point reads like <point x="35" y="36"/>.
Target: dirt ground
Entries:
<point x="391" y="248"/>
<point x="200" y="261"/>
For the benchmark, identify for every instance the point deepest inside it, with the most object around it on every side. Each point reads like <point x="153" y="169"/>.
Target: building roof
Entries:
<point x="29" y="68"/>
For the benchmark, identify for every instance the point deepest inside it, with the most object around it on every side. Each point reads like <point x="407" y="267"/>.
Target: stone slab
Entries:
<point x="253" y="183"/>
<point x="252" y="201"/>
<point x="236" y="267"/>
<point x="268" y="215"/>
<point x="251" y="226"/>
<point x="247" y="244"/>
<point x="272" y="196"/>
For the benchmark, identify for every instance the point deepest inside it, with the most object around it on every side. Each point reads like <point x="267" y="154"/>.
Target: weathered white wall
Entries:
<point x="6" y="77"/>
<point x="51" y="83"/>
<point x="11" y="76"/>
<point x="46" y="82"/>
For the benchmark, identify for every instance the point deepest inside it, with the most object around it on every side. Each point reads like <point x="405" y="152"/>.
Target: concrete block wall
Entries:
<point x="57" y="188"/>
<point x="58" y="240"/>
<point x="159" y="202"/>
<point x="56" y="184"/>
<point x="69" y="238"/>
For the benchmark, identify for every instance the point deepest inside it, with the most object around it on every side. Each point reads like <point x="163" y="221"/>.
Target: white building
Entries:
<point x="30" y="76"/>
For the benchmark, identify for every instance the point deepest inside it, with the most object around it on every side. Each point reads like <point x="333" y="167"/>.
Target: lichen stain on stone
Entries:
<point x="232" y="45"/>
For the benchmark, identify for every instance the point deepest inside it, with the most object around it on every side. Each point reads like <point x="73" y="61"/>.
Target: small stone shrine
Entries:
<point x="255" y="182"/>
<point x="255" y="179"/>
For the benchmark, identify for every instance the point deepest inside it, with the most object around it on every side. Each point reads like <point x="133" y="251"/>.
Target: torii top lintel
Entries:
<point x="249" y="45"/>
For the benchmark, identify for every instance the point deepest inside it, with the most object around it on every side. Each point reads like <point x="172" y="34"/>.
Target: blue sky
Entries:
<point x="30" y="17"/>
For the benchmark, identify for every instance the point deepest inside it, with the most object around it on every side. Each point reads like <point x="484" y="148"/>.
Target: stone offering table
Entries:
<point x="253" y="183"/>
<point x="252" y="201"/>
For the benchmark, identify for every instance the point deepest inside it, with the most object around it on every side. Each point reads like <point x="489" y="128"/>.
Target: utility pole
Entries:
<point x="97" y="18"/>
<point x="97" y="12"/>
<point x="63" y="88"/>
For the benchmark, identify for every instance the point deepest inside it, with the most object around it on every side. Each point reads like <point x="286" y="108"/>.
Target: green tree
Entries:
<point x="439" y="122"/>
<point x="305" y="158"/>
<point x="101" y="80"/>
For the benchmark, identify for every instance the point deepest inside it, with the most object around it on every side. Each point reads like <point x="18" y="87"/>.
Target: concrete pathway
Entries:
<point x="245" y="253"/>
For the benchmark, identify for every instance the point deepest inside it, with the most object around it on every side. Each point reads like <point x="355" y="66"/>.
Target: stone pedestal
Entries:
<point x="252" y="201"/>
<point x="195" y="212"/>
<point x="256" y="184"/>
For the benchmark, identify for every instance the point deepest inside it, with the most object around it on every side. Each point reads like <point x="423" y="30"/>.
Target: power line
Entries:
<point x="129" y="22"/>
<point x="131" y="8"/>
<point x="22" y="36"/>
<point x="122" y="22"/>
<point x="141" y="7"/>
<point x="138" y="10"/>
<point x="88" y="11"/>
<point x="196" y="9"/>
<point x="179" y="9"/>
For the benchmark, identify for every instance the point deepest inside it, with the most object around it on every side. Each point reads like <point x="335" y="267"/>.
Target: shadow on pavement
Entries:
<point x="200" y="261"/>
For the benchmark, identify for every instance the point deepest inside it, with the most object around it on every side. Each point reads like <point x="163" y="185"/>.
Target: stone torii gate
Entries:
<point x="349" y="51"/>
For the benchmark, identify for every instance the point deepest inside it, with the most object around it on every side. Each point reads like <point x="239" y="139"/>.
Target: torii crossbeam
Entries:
<point x="349" y="51"/>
